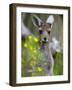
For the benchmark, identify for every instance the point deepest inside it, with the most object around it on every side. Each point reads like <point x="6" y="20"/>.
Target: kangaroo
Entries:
<point x="45" y="29"/>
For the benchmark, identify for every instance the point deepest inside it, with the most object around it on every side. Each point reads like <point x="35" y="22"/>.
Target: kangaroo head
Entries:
<point x="44" y="27"/>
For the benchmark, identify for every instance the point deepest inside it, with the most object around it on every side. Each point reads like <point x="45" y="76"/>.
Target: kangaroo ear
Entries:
<point x="36" y="20"/>
<point x="50" y="19"/>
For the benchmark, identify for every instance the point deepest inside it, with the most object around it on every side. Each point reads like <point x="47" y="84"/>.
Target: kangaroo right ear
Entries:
<point x="36" y="21"/>
<point x="50" y="19"/>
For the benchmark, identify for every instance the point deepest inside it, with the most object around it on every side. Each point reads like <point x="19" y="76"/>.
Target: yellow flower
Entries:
<point x="35" y="51"/>
<point x="25" y="45"/>
<point x="39" y="69"/>
<point x="36" y="39"/>
<point x="30" y="37"/>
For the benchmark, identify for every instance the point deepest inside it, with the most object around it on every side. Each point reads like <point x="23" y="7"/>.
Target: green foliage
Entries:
<point x="58" y="64"/>
<point x="32" y="57"/>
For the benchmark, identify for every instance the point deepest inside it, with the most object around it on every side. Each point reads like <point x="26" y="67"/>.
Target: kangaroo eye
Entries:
<point x="48" y="32"/>
<point x="40" y="31"/>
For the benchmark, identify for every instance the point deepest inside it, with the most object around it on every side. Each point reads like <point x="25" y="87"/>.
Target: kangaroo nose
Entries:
<point x="45" y="38"/>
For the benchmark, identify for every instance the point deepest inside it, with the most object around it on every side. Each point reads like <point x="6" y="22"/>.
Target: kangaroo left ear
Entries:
<point x="50" y="19"/>
<point x="36" y="20"/>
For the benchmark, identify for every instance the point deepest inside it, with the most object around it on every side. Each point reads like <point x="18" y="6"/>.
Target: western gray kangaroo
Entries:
<point x="45" y="29"/>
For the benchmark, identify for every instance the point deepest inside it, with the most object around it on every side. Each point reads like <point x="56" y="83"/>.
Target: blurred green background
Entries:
<point x="31" y="56"/>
